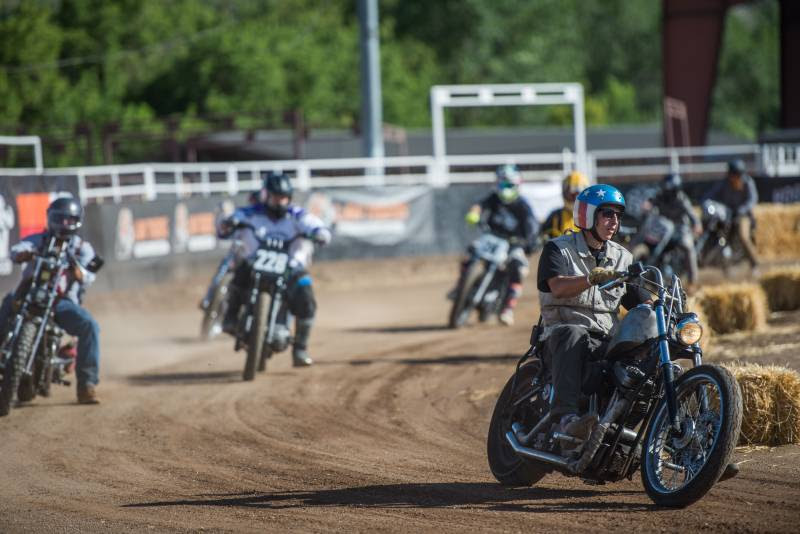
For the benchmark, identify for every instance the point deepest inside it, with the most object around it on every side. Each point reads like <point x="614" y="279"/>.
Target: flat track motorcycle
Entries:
<point x="30" y="355"/>
<point x="263" y="325"/>
<point x="677" y="428"/>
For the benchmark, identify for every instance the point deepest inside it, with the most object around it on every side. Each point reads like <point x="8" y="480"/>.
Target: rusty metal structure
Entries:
<point x="692" y="38"/>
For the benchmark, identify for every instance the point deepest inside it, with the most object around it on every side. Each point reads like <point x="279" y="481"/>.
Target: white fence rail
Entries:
<point x="149" y="181"/>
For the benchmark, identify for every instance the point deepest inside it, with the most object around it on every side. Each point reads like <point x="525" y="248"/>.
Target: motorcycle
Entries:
<point x="718" y="246"/>
<point x="483" y="284"/>
<point x="215" y="303"/>
<point x="31" y="356"/>
<point x="263" y="325"/>
<point x="646" y="245"/>
<point x="679" y="429"/>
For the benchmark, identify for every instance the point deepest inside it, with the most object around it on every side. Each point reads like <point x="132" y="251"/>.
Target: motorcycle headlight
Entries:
<point x="688" y="330"/>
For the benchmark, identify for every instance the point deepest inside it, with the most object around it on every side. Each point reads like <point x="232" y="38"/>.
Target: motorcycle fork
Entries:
<point x="488" y="276"/>
<point x="274" y="308"/>
<point x="666" y="363"/>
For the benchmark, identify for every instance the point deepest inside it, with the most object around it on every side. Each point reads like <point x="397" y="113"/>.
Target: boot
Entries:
<point x="302" y="329"/>
<point x="232" y="313"/>
<point x="87" y="394"/>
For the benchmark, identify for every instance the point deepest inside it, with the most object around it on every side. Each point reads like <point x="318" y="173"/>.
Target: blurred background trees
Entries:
<point x="75" y="71"/>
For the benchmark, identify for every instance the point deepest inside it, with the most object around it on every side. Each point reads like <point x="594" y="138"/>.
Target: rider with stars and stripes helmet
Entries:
<point x="591" y="198"/>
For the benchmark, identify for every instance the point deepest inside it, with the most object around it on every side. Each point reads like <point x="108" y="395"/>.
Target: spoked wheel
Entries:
<point x="462" y="304"/>
<point x="522" y="405"/>
<point x="679" y="467"/>
<point x="14" y="367"/>
<point x="266" y="354"/>
<point x="257" y="332"/>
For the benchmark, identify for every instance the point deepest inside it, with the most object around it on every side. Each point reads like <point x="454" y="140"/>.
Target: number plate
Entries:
<point x="271" y="261"/>
<point x="491" y="248"/>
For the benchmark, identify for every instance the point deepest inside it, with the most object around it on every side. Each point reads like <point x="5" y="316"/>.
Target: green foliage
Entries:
<point x="145" y="70"/>
<point x="747" y="94"/>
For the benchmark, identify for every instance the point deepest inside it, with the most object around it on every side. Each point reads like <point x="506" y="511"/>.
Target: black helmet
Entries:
<point x="64" y="216"/>
<point x="736" y="166"/>
<point x="672" y="182"/>
<point x="278" y="183"/>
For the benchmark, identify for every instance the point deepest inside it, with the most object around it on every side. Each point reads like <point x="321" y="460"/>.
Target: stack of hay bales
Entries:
<point x="777" y="231"/>
<point x="733" y="307"/>
<point x="782" y="287"/>
<point x="771" y="402"/>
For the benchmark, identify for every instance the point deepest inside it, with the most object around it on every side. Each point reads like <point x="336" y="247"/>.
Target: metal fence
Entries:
<point x="149" y="181"/>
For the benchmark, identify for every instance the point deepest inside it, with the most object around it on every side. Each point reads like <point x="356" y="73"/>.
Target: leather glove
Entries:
<point x="599" y="276"/>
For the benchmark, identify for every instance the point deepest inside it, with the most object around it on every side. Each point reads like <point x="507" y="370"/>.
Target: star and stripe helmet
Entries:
<point x="592" y="198"/>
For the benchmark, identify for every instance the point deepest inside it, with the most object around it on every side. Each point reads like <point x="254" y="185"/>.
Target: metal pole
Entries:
<point x="580" y="128"/>
<point x="371" y="111"/>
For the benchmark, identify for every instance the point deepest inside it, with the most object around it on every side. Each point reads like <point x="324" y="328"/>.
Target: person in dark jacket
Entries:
<point x="673" y="203"/>
<point x="509" y="215"/>
<point x="737" y="191"/>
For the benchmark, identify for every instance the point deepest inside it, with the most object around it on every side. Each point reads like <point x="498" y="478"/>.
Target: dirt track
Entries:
<point x="385" y="433"/>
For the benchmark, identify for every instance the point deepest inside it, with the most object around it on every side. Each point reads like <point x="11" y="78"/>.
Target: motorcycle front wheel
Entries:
<point x="257" y="333"/>
<point x="15" y="365"/>
<point x="518" y="403"/>
<point x="462" y="305"/>
<point x="680" y="467"/>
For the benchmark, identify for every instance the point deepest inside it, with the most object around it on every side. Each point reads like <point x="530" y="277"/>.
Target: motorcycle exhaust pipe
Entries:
<point x="533" y="454"/>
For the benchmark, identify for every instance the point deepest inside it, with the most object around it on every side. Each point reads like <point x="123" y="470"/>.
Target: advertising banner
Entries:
<point x="382" y="217"/>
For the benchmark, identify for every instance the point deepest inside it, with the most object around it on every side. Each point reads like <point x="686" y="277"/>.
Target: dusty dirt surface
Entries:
<point x="385" y="433"/>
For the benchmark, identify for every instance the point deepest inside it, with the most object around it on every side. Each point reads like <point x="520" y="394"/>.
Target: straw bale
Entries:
<point x="733" y="307"/>
<point x="771" y="402"/>
<point x="777" y="233"/>
<point x="782" y="287"/>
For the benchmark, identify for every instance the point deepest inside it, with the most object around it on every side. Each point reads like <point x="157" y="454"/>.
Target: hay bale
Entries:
<point x="771" y="402"/>
<point x="782" y="287"/>
<point x="733" y="307"/>
<point x="777" y="231"/>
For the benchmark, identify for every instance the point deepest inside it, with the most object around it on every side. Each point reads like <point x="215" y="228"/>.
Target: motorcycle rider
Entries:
<point x="276" y="215"/>
<point x="673" y="204"/>
<point x="560" y="220"/>
<point x="576" y="315"/>
<point x="508" y="215"/>
<point x="227" y="262"/>
<point x="64" y="218"/>
<point x="738" y="192"/>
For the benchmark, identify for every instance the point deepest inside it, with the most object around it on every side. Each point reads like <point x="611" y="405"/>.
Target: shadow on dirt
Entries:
<point x="434" y="495"/>
<point x="457" y="359"/>
<point x="188" y="378"/>
<point x="400" y="329"/>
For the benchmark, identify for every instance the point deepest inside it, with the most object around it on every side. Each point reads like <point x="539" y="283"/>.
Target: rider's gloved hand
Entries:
<point x="599" y="276"/>
<point x="472" y="217"/>
<point x="321" y="236"/>
<point x="23" y="256"/>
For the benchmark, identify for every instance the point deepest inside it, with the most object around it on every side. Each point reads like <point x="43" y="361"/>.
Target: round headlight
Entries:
<point x="689" y="332"/>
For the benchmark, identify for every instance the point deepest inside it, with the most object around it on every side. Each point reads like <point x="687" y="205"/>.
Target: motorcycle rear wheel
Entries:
<point x="508" y="468"/>
<point x="462" y="306"/>
<point x="257" y="333"/>
<point x="699" y="455"/>
<point x="15" y="366"/>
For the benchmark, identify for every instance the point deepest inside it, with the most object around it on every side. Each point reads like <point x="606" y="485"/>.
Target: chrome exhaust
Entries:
<point x="533" y="454"/>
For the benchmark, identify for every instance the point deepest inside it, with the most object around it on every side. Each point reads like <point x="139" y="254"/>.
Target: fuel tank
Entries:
<point x="630" y="341"/>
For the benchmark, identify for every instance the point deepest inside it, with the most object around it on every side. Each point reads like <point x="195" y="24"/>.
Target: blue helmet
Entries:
<point x="592" y="198"/>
